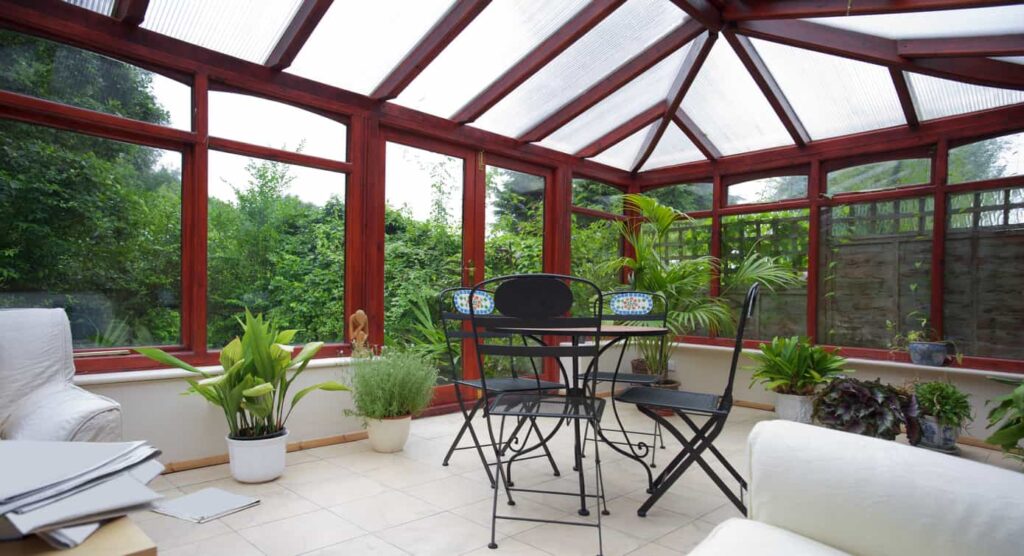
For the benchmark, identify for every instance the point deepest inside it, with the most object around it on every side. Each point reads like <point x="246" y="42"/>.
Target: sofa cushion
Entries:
<point x="35" y="351"/>
<point x="743" y="536"/>
<point x="63" y="412"/>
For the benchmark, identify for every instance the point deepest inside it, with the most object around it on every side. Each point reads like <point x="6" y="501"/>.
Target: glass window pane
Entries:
<point x="685" y="197"/>
<point x="515" y="223"/>
<point x="276" y="246"/>
<point x="636" y="96"/>
<point x="357" y="43"/>
<point x="594" y="242"/>
<point x="982" y="308"/>
<point x="278" y="125"/>
<point x="624" y="153"/>
<point x="61" y="73"/>
<point x="92" y="226"/>
<point x="596" y="195"/>
<point x="625" y="33"/>
<point x="998" y="157"/>
<point x="105" y="7"/>
<point x="783" y="235"/>
<point x="689" y="238"/>
<point x="498" y="38"/>
<point x="766" y="190"/>
<point x="875" y="270"/>
<point x="729" y="108"/>
<point x="938" y="98"/>
<point x="881" y="175"/>
<point x="999" y="20"/>
<point x="246" y="29"/>
<point x="833" y="96"/>
<point x="673" y="148"/>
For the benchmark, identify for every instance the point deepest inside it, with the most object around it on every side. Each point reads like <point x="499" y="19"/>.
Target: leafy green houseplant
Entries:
<point x="866" y="407"/>
<point x="792" y="368"/>
<point x="923" y="344"/>
<point x="1008" y="419"/>
<point x="258" y="370"/>
<point x="388" y="391"/>
<point x="944" y="411"/>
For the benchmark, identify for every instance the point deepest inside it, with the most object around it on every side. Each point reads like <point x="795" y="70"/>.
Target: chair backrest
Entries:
<point x="35" y="351"/>
<point x="454" y="310"/>
<point x="745" y="313"/>
<point x="635" y="306"/>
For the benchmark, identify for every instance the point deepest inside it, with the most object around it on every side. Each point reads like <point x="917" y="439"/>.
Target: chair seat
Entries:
<point x="509" y="384"/>
<point x="625" y="378"/>
<point x="537" y="404"/>
<point x="671" y="399"/>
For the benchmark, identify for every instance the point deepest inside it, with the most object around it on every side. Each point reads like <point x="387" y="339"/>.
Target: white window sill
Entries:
<point x="175" y="374"/>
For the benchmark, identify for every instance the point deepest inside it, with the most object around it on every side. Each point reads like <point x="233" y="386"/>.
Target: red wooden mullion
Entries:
<point x="194" y="223"/>
<point x="815" y="185"/>
<point x="938" y="277"/>
<point x="718" y="196"/>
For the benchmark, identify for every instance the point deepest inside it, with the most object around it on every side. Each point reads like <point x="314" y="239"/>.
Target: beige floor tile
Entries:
<point x="169" y="532"/>
<point x="161" y="483"/>
<point x="688" y="503"/>
<point x="366" y="545"/>
<point x="509" y="547"/>
<point x="338" y="490"/>
<point x="685" y="538"/>
<point x="231" y="485"/>
<point x="302" y="533"/>
<point x="726" y="511"/>
<point x="443" y="534"/>
<point x="299" y="456"/>
<point x="385" y="510"/>
<point x="364" y="460"/>
<point x="451" y="492"/>
<point x="652" y="549"/>
<point x="480" y="512"/>
<point x="656" y="525"/>
<point x="313" y="472"/>
<point x="338" y="450"/>
<point x="568" y="540"/>
<point x="231" y="543"/>
<point x="404" y="473"/>
<point x="201" y="475"/>
<point x="272" y="507"/>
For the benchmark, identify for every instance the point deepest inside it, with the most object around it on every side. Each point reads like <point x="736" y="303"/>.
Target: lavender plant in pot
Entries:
<point x="793" y="368"/>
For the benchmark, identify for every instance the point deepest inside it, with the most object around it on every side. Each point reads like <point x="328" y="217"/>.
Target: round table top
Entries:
<point x="618" y="330"/>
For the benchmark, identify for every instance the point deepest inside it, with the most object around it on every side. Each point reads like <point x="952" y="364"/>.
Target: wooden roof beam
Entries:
<point x="687" y="73"/>
<point x="703" y="11"/>
<point x="130" y="12"/>
<point x="671" y="42"/>
<point x="294" y="37"/>
<point x="955" y="47"/>
<point x="797" y="9"/>
<point x="564" y="37"/>
<point x="769" y="87"/>
<point x="882" y="51"/>
<point x="696" y="135"/>
<point x="906" y="97"/>
<point x="631" y="126"/>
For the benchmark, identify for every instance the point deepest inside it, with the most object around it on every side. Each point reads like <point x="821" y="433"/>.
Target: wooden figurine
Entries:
<point x="358" y="332"/>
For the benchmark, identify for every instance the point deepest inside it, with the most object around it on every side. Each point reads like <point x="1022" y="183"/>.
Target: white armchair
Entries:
<point x="37" y="398"/>
<point x="824" y="492"/>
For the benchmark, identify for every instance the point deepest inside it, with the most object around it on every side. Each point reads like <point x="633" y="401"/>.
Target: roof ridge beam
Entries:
<point x="769" y="87"/>
<point x="627" y="128"/>
<point x="629" y="70"/>
<point x="882" y="51"/>
<point x="299" y="29"/>
<point x="703" y="11"/>
<point x="444" y="31"/>
<point x="906" y="96"/>
<point x="797" y="9"/>
<point x="696" y="135"/>
<point x="955" y="47"/>
<point x="687" y="73"/>
<point x="560" y="40"/>
<point x="130" y="12"/>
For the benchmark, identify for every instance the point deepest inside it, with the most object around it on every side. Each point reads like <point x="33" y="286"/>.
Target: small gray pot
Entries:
<point x="932" y="354"/>
<point x="936" y="436"/>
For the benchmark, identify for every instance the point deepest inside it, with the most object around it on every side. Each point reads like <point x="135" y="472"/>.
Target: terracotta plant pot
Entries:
<point x="388" y="435"/>
<point x="640" y="367"/>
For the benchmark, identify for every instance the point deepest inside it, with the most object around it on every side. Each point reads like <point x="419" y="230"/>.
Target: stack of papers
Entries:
<point x="205" y="505"/>
<point x="64" y="491"/>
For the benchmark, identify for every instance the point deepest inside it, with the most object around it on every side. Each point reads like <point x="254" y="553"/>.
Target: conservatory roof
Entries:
<point x="633" y="84"/>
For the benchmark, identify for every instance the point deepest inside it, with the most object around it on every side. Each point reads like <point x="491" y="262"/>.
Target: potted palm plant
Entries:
<point x="944" y="412"/>
<point x="257" y="371"/>
<point x="388" y="391"/>
<point x="793" y="368"/>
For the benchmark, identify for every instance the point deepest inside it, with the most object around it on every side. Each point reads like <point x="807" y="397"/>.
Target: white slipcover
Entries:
<point x="867" y="496"/>
<point x="37" y="398"/>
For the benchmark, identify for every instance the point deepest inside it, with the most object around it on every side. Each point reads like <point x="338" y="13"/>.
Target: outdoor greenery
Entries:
<point x="870" y="408"/>
<point x="1008" y="419"/>
<point x="944" y="401"/>
<point x="794" y="366"/>
<point x="397" y="384"/>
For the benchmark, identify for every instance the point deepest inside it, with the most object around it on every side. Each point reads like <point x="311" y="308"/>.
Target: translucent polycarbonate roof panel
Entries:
<point x="998" y="20"/>
<point x="497" y="39"/>
<point x="673" y="148"/>
<point x="275" y="125"/>
<point x="729" y="108"/>
<point x="1011" y="59"/>
<point x="358" y="42"/>
<point x="636" y="96"/>
<point x="622" y="35"/>
<point x="247" y="29"/>
<point x="623" y="154"/>
<point x="105" y="7"/>
<point x="937" y="98"/>
<point x="832" y="96"/>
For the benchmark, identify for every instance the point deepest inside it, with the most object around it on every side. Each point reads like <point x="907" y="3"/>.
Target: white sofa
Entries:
<point x="815" y="491"/>
<point x="37" y="398"/>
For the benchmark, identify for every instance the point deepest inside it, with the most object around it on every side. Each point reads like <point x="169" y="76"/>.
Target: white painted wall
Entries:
<point x="187" y="427"/>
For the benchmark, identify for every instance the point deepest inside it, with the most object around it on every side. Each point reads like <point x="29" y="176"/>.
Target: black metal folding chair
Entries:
<point x="693" y="404"/>
<point x="455" y="314"/>
<point x="539" y="305"/>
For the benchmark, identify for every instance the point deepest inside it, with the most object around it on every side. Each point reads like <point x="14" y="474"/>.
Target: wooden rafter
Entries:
<point x="625" y="73"/>
<point x="880" y="50"/>
<point x="130" y="12"/>
<point x="293" y="38"/>
<point x="769" y="87"/>
<point x="906" y="97"/>
<point x="631" y="126"/>
<point x="564" y="37"/>
<point x="687" y="73"/>
<point x="458" y="17"/>
<point x="703" y="11"/>
<point x="956" y="47"/>
<point x="696" y="135"/>
<point x="797" y="9"/>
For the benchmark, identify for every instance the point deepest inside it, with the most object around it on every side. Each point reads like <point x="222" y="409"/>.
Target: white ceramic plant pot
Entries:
<point x="388" y="435"/>
<point x="794" y="408"/>
<point x="257" y="461"/>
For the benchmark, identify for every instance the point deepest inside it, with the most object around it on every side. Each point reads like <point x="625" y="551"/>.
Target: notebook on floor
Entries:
<point x="205" y="505"/>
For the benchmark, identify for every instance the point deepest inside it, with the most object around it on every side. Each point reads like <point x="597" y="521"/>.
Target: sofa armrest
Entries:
<point x="66" y="413"/>
<point x="869" y="496"/>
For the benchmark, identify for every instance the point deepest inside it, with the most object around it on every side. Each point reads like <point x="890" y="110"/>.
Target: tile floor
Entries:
<point x="348" y="500"/>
